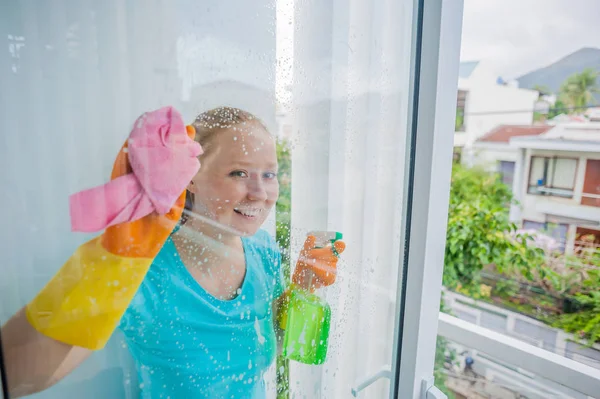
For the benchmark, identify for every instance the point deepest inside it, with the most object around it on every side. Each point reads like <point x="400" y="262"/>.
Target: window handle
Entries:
<point x="384" y="372"/>
<point x="430" y="391"/>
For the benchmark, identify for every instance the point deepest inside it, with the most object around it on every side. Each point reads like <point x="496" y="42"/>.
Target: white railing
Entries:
<point x="590" y="195"/>
<point x="567" y="372"/>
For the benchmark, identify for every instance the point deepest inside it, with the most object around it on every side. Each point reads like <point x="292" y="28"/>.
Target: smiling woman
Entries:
<point x="199" y="320"/>
<point x="237" y="185"/>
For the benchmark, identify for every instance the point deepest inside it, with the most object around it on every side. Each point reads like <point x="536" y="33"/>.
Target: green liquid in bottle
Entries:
<point x="307" y="328"/>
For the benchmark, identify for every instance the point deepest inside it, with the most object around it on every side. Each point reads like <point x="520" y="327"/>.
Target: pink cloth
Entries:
<point x="164" y="160"/>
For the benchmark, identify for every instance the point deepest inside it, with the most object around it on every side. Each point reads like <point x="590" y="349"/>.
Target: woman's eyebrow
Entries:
<point x="244" y="164"/>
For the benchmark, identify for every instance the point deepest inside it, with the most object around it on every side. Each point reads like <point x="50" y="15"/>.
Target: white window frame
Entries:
<point x="435" y="57"/>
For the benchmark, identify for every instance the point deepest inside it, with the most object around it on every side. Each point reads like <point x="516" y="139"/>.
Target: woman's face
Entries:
<point x="237" y="183"/>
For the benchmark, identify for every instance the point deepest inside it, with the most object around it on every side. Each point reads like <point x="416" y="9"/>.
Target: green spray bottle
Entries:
<point x="308" y="316"/>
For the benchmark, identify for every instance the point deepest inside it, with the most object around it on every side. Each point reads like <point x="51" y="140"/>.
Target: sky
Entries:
<point x="513" y="37"/>
<point x="517" y="36"/>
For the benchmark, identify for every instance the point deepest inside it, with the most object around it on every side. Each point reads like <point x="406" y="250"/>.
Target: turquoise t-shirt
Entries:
<point x="188" y="344"/>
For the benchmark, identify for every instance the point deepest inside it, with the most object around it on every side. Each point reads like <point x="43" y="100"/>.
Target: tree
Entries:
<point x="578" y="90"/>
<point x="558" y="108"/>
<point x="480" y="232"/>
<point x="542" y="90"/>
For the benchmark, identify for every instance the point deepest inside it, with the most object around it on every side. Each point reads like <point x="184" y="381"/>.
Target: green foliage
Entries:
<point x="282" y="235"/>
<point x="579" y="89"/>
<point x="459" y="122"/>
<point x="584" y="324"/>
<point x="558" y="108"/>
<point x="580" y="281"/>
<point x="284" y="203"/>
<point x="542" y="90"/>
<point x="445" y="355"/>
<point x="479" y="231"/>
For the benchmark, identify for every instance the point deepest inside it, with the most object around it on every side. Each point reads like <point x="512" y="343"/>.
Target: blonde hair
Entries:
<point x="209" y="123"/>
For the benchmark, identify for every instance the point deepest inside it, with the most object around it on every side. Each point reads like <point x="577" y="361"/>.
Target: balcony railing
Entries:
<point x="552" y="366"/>
<point x="590" y="199"/>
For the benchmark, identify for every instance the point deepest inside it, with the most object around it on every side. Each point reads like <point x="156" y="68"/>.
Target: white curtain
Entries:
<point x="350" y="101"/>
<point x="74" y="78"/>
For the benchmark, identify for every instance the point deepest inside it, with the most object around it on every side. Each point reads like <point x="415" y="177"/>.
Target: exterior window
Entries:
<point x="587" y="237"/>
<point x="552" y="176"/>
<point x="506" y="169"/>
<point x="591" y="184"/>
<point x="558" y="231"/>
<point x="461" y="102"/>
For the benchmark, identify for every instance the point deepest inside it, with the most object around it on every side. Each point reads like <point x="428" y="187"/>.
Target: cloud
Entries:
<point x="517" y="36"/>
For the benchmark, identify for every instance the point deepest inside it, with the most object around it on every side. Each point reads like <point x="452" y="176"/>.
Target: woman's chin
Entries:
<point x="248" y="227"/>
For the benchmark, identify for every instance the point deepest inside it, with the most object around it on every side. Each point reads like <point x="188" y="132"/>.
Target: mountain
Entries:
<point x="555" y="74"/>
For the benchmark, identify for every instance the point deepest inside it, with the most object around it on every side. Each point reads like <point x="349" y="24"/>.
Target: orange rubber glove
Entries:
<point x="317" y="267"/>
<point x="84" y="302"/>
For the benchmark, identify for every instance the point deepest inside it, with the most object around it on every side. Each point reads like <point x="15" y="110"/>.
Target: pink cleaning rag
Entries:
<point x="164" y="159"/>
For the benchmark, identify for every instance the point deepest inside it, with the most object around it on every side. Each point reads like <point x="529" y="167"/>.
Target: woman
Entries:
<point x="201" y="324"/>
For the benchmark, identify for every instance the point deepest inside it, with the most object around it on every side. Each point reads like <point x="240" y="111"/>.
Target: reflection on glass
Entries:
<point x="196" y="291"/>
<point x="467" y="373"/>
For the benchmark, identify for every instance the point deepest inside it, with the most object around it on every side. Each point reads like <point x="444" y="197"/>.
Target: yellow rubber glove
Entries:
<point x="84" y="302"/>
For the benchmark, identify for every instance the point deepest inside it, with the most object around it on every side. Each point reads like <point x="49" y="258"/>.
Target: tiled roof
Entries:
<point x="503" y="133"/>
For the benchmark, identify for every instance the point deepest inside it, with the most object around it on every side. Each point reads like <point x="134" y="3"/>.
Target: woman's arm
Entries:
<point x="33" y="361"/>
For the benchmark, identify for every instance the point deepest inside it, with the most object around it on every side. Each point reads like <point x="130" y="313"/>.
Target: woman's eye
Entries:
<point x="270" y="175"/>
<point x="238" y="173"/>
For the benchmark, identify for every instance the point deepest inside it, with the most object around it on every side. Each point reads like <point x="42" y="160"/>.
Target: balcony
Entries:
<point x="582" y="214"/>
<point x="580" y="379"/>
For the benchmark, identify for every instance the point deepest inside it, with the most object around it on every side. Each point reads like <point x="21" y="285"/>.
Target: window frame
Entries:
<point x="551" y="161"/>
<point x="501" y="173"/>
<point x="434" y="73"/>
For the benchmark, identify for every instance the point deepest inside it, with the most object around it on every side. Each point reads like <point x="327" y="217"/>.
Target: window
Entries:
<point x="553" y="176"/>
<point x="591" y="184"/>
<point x="461" y="102"/>
<point x="507" y="172"/>
<point x="82" y="73"/>
<point x="558" y="231"/>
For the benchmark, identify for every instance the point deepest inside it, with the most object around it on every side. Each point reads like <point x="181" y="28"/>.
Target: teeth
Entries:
<point x="249" y="212"/>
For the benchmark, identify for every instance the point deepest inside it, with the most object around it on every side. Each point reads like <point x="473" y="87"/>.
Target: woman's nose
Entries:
<point x="257" y="190"/>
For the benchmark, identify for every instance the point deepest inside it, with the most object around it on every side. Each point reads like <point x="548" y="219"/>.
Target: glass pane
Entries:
<point x="205" y="200"/>
<point x="468" y="373"/>
<point x="536" y="175"/>
<point x="531" y="270"/>
<point x="507" y="172"/>
<point x="564" y="171"/>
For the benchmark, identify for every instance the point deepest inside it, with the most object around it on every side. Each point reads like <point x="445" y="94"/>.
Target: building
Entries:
<point x="557" y="181"/>
<point x="484" y="101"/>
<point x="494" y="152"/>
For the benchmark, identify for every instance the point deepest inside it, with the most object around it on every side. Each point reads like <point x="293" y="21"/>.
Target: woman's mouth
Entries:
<point x="248" y="213"/>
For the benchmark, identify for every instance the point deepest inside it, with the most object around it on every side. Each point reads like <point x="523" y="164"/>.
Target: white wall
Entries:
<point x="76" y="76"/>
<point x="492" y="102"/>
<point x="488" y="155"/>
